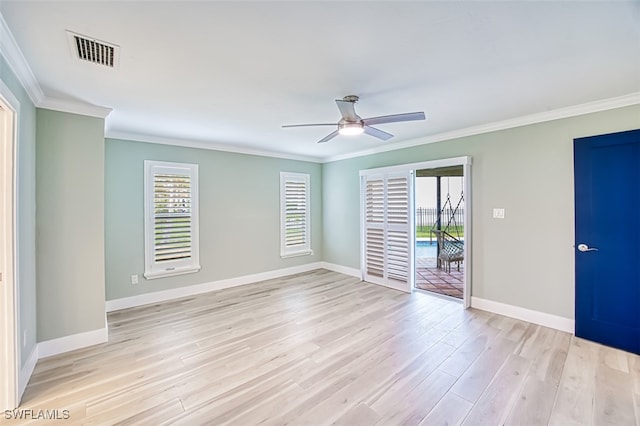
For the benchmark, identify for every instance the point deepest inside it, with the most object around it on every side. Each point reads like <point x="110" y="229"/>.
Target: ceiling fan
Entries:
<point x="352" y="124"/>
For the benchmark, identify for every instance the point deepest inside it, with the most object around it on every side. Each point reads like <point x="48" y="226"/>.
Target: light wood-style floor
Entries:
<point x="323" y="348"/>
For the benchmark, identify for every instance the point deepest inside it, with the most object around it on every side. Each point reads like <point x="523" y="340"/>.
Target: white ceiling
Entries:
<point x="233" y="72"/>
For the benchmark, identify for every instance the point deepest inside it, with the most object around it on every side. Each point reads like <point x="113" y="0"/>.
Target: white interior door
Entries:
<point x="387" y="235"/>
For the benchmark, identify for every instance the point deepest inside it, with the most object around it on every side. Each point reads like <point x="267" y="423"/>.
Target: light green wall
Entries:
<point x="70" y="224"/>
<point x="26" y="212"/>
<point x="526" y="259"/>
<point x="239" y="215"/>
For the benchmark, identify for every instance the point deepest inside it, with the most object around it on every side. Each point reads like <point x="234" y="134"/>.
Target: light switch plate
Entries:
<point x="498" y="213"/>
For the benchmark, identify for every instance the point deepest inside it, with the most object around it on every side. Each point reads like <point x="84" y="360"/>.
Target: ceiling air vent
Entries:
<point x="94" y="51"/>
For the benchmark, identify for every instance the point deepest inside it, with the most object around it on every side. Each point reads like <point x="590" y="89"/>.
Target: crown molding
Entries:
<point x="15" y="59"/>
<point x="557" y="114"/>
<point x="74" y="107"/>
<point x="18" y="64"/>
<point x="136" y="137"/>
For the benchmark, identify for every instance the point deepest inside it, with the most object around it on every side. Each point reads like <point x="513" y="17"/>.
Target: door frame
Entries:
<point x="9" y="356"/>
<point x="465" y="162"/>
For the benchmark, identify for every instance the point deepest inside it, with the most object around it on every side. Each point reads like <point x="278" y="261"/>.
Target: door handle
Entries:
<point x="584" y="247"/>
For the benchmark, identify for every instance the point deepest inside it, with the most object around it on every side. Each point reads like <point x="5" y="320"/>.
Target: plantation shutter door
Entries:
<point x="398" y="231"/>
<point x="388" y="248"/>
<point x="374" y="243"/>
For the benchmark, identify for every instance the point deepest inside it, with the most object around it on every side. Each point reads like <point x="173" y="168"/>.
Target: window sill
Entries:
<point x="178" y="271"/>
<point x="296" y="254"/>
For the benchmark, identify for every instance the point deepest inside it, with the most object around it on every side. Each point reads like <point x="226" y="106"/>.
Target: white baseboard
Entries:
<point x="535" y="317"/>
<point x="176" y="293"/>
<point x="72" y="342"/>
<point x="342" y="269"/>
<point x="27" y="370"/>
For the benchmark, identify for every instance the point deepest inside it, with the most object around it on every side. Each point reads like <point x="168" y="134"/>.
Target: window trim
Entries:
<point x="152" y="269"/>
<point x="302" y="250"/>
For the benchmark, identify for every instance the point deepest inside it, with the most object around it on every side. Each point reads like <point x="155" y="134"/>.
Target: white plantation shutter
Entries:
<point x="398" y="244"/>
<point x="294" y="214"/>
<point x="171" y="219"/>
<point x="375" y="253"/>
<point x="387" y="229"/>
<point x="374" y="231"/>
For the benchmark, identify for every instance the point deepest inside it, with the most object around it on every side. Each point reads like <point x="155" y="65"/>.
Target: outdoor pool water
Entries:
<point x="426" y="248"/>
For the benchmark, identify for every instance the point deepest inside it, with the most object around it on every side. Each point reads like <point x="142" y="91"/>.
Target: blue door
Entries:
<point x="607" y="257"/>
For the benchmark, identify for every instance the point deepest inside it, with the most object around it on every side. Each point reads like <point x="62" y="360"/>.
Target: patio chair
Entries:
<point x="450" y="249"/>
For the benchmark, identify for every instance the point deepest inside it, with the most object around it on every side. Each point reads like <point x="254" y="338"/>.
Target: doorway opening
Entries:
<point x="440" y="233"/>
<point x="388" y="242"/>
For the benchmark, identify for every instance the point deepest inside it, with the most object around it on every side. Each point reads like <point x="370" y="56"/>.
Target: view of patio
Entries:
<point x="430" y="278"/>
<point x="439" y="223"/>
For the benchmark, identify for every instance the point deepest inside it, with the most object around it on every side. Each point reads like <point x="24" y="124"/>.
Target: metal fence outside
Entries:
<point x="426" y="217"/>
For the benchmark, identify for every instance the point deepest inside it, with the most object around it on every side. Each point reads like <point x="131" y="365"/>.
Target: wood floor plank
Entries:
<point x="413" y="407"/>
<point x="450" y="411"/>
<point x="323" y="348"/>
<point x="534" y="403"/>
<point x="575" y="398"/>
<point x="477" y="377"/>
<point x="401" y="384"/>
<point x="614" y="403"/>
<point x="499" y="397"/>
<point x="360" y="415"/>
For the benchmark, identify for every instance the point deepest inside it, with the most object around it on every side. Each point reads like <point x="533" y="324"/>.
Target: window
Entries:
<point x="294" y="215"/>
<point x="171" y="219"/>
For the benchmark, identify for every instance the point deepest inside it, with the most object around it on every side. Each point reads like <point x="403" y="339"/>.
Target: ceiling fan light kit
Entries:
<point x="350" y="129"/>
<point x="351" y="124"/>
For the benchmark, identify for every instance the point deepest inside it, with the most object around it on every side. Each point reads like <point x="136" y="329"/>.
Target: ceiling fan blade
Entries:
<point x="377" y="133"/>
<point x="409" y="116"/>
<point x="348" y="110"/>
<point x="309" y="125"/>
<point x="328" y="137"/>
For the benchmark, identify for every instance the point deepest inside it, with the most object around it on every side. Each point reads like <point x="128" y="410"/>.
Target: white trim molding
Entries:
<point x="9" y="253"/>
<point x="342" y="269"/>
<point x="429" y="164"/>
<point x="177" y="293"/>
<point x="74" y="107"/>
<point x="213" y="146"/>
<point x="71" y="343"/>
<point x="27" y="370"/>
<point x="18" y="64"/>
<point x="536" y="317"/>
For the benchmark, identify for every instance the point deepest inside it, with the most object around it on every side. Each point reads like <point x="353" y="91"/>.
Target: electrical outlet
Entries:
<point x="134" y="279"/>
<point x="498" y="213"/>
